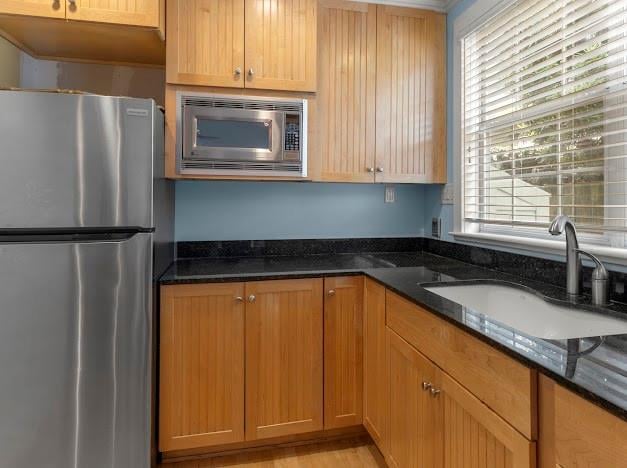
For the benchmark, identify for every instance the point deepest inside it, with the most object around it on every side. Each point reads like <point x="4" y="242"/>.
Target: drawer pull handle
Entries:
<point x="251" y="298"/>
<point x="331" y="292"/>
<point x="239" y="299"/>
<point x="426" y="385"/>
<point x="435" y="392"/>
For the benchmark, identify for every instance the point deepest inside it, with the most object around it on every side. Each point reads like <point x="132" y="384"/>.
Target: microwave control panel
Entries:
<point x="292" y="133"/>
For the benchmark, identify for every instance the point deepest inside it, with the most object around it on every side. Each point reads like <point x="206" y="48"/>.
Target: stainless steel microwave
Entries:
<point x="221" y="134"/>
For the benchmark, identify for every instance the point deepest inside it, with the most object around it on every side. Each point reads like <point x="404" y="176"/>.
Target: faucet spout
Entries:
<point x="560" y="224"/>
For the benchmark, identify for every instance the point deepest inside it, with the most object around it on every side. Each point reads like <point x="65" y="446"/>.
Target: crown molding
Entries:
<point x="450" y="4"/>
<point x="436" y="5"/>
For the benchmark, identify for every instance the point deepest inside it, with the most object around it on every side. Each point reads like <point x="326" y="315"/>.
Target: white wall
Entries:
<point x="114" y="80"/>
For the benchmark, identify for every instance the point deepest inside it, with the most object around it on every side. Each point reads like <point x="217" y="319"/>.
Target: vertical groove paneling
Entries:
<point x="475" y="437"/>
<point x="131" y="12"/>
<point x="411" y="116"/>
<point x="205" y="42"/>
<point x="415" y="426"/>
<point x="346" y="90"/>
<point x="201" y="366"/>
<point x="343" y="351"/>
<point x="376" y="378"/>
<point x="281" y="44"/>
<point x="283" y="358"/>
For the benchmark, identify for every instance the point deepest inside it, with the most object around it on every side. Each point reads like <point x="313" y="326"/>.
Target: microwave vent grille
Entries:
<point x="234" y="103"/>
<point x="239" y="166"/>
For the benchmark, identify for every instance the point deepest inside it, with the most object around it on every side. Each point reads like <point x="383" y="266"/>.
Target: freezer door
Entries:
<point x="75" y="344"/>
<point x="75" y="160"/>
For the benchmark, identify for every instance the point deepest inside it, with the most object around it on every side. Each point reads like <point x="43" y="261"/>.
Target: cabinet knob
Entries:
<point x="251" y="72"/>
<point x="331" y="292"/>
<point x="251" y="298"/>
<point x="379" y="169"/>
<point x="237" y="71"/>
<point x="239" y="299"/>
<point x="426" y="385"/>
<point x="370" y="169"/>
<point x="435" y="392"/>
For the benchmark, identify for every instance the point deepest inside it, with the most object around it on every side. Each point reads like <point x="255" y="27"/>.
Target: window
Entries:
<point x="544" y="113"/>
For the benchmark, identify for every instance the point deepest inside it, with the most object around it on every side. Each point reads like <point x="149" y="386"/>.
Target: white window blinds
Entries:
<point x="544" y="115"/>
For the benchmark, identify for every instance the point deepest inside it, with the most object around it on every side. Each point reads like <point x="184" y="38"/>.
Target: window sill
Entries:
<point x="539" y="246"/>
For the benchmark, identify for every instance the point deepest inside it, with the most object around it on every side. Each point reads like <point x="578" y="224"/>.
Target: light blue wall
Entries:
<point x="222" y="210"/>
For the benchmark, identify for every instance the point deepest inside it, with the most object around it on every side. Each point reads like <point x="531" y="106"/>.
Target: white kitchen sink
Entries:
<point x="529" y="313"/>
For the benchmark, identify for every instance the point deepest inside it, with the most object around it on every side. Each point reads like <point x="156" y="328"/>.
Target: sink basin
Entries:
<point x="529" y="313"/>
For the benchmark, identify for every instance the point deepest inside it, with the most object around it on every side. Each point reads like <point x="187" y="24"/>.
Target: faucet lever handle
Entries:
<point x="600" y="280"/>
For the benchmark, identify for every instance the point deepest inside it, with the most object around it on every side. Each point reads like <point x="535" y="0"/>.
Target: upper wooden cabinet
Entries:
<point x="281" y="44"/>
<point x="113" y="31"/>
<point x="135" y="12"/>
<point x="205" y="43"/>
<point x="201" y="365"/>
<point x="343" y="351"/>
<point x="283" y="358"/>
<point x="575" y="433"/>
<point x="41" y="8"/>
<point x="347" y="38"/>
<point x="411" y="99"/>
<point x="258" y="44"/>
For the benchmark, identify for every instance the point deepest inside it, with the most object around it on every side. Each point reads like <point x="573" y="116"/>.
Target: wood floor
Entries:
<point x="347" y="453"/>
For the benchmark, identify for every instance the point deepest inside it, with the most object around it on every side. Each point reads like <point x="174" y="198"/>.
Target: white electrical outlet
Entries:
<point x="448" y="195"/>
<point x="390" y="194"/>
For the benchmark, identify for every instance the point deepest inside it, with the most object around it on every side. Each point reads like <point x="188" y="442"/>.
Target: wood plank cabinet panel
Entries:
<point x="347" y="33"/>
<point x="505" y="385"/>
<point x="201" y="366"/>
<point x="205" y="42"/>
<point x="281" y="44"/>
<point x="343" y="351"/>
<point x="284" y="381"/>
<point x="42" y="8"/>
<point x="575" y="433"/>
<point x="129" y="12"/>
<point x="415" y="437"/>
<point x="376" y="379"/>
<point x="476" y="436"/>
<point x="411" y="100"/>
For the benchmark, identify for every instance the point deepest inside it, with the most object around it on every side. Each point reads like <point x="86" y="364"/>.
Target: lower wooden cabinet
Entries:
<point x="376" y="388"/>
<point x="415" y="431"/>
<point x="574" y="433"/>
<point x="283" y="357"/>
<point x="343" y="351"/>
<point x="201" y="398"/>
<point x="435" y="422"/>
<point x="474" y="435"/>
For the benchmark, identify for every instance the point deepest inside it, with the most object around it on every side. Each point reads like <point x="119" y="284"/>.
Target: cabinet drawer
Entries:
<point x="502" y="383"/>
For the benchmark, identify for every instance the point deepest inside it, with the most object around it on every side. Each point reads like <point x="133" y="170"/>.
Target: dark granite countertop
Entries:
<point x="594" y="367"/>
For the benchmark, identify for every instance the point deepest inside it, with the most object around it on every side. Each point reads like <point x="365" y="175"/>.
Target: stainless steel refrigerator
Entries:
<point x="85" y="228"/>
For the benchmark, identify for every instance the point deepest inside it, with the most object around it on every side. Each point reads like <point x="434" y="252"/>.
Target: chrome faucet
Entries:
<point x="600" y="277"/>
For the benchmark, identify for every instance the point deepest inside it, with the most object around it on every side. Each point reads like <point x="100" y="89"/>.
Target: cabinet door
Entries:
<point x="575" y="433"/>
<point x="476" y="436"/>
<point x="415" y="438"/>
<point x="281" y="44"/>
<point x="411" y="104"/>
<point x="43" y="8"/>
<point x="343" y="351"/>
<point x="283" y="357"/>
<point x="347" y="34"/>
<point x="205" y="42"/>
<point x="134" y="13"/>
<point x="202" y="366"/>
<point x="376" y="380"/>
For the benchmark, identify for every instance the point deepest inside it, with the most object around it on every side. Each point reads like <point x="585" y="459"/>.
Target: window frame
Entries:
<point x="524" y="240"/>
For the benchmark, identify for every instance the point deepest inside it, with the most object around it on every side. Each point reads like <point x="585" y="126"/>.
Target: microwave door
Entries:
<point x="233" y="134"/>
